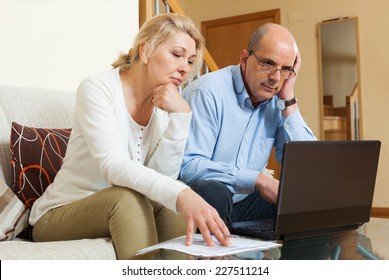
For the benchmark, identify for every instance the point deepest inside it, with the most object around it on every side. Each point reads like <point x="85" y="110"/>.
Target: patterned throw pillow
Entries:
<point x="13" y="214"/>
<point x="36" y="157"/>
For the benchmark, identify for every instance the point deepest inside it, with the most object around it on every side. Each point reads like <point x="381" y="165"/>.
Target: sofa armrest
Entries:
<point x="82" y="249"/>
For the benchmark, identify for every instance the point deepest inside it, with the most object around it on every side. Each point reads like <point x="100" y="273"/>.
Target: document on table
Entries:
<point x="200" y="248"/>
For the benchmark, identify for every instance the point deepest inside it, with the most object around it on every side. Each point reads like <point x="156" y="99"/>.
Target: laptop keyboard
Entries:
<point x="266" y="226"/>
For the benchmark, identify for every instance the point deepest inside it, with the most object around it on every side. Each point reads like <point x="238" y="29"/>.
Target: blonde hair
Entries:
<point x="158" y="30"/>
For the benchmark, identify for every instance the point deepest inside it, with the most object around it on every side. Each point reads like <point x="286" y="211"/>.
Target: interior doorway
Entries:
<point x="340" y="79"/>
<point x="226" y="38"/>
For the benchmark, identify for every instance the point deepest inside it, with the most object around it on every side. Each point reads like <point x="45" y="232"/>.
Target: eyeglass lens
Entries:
<point x="271" y="69"/>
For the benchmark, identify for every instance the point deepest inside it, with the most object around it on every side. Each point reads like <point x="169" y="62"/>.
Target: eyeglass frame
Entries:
<point x="291" y="72"/>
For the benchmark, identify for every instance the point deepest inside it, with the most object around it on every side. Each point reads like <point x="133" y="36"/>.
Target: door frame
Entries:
<point x="275" y="14"/>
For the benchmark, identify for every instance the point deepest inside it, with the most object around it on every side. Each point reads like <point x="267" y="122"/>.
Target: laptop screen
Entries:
<point x="326" y="184"/>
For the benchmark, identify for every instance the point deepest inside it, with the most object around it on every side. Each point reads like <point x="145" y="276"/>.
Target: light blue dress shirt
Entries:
<point x="230" y="140"/>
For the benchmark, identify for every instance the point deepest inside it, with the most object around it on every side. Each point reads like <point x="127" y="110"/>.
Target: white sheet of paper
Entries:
<point x="200" y="248"/>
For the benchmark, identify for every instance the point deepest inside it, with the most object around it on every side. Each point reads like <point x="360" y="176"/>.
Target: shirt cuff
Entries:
<point x="296" y="127"/>
<point x="245" y="181"/>
<point x="179" y="125"/>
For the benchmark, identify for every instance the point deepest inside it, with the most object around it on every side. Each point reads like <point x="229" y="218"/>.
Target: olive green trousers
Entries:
<point x="128" y="217"/>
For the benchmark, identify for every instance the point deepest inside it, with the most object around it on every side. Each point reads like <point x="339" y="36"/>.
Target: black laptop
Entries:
<point x="325" y="187"/>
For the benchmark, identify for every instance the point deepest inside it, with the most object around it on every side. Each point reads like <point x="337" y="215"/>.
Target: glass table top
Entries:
<point x="369" y="242"/>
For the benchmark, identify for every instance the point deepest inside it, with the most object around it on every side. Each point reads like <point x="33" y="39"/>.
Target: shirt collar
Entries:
<point x="240" y="89"/>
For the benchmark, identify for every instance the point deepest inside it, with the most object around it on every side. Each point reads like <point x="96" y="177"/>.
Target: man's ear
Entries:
<point x="142" y="54"/>
<point x="244" y="56"/>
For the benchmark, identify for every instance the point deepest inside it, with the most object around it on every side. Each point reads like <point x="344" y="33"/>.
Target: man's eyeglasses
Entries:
<point x="271" y="69"/>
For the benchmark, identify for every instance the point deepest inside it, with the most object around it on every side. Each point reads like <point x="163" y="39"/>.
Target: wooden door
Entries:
<point x="226" y="38"/>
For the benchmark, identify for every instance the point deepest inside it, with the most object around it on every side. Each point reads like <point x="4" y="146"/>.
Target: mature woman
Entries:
<point x="129" y="132"/>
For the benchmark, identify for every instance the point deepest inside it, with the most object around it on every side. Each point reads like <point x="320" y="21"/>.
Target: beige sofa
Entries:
<point x="40" y="108"/>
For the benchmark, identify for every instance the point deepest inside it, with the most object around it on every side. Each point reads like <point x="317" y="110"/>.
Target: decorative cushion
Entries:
<point x="36" y="157"/>
<point x="13" y="214"/>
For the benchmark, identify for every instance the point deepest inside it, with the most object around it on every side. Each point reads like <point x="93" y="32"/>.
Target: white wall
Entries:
<point x="56" y="43"/>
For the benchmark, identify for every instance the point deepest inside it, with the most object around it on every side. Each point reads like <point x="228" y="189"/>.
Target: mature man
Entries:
<point x="239" y="113"/>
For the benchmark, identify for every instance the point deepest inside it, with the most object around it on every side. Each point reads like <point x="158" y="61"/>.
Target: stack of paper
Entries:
<point x="200" y="248"/>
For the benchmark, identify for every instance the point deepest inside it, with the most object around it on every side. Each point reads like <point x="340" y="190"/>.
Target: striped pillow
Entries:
<point x="13" y="213"/>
